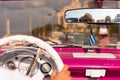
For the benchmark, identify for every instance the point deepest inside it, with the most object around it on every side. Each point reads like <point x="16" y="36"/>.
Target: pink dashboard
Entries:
<point x="95" y="67"/>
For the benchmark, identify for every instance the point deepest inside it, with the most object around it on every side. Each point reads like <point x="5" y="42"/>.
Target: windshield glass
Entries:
<point x="45" y="19"/>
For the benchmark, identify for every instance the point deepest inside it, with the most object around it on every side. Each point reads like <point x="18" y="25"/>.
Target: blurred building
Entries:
<point x="74" y="4"/>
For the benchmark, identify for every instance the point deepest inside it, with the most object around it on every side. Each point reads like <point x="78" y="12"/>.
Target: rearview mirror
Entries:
<point x="92" y="16"/>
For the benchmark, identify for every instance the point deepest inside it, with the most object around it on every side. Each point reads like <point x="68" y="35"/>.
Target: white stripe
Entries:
<point x="91" y="43"/>
<point x="92" y="37"/>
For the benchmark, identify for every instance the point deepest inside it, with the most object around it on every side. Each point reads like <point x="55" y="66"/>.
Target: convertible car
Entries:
<point x="78" y="47"/>
<point x="84" y="63"/>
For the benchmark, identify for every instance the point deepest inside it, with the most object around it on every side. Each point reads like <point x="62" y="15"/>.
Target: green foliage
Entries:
<point x="94" y="29"/>
<point x="38" y="31"/>
<point x="59" y="27"/>
<point x="113" y="28"/>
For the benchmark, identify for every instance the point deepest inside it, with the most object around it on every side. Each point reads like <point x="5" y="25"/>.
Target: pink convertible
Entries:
<point x="85" y="64"/>
<point x="37" y="59"/>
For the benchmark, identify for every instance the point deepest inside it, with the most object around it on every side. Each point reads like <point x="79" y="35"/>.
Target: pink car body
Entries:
<point x="78" y="66"/>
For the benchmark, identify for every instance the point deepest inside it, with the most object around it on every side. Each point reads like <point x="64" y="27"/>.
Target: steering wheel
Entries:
<point x="44" y="57"/>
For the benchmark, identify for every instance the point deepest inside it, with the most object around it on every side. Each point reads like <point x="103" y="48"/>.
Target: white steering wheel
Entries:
<point x="40" y="43"/>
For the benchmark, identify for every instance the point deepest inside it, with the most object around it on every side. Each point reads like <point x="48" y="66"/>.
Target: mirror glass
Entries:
<point x="93" y="16"/>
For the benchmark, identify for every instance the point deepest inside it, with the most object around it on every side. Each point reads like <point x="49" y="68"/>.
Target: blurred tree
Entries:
<point x="113" y="28"/>
<point x="46" y="29"/>
<point x="59" y="27"/>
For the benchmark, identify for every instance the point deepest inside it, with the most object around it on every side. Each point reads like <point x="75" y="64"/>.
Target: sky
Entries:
<point x="19" y="13"/>
<point x="97" y="14"/>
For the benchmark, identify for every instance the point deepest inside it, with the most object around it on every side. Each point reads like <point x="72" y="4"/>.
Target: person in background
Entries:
<point x="103" y="35"/>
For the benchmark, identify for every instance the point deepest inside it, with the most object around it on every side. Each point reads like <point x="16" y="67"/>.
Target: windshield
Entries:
<point x="45" y="19"/>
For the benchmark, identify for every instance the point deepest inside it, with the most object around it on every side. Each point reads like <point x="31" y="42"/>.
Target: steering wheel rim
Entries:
<point x="40" y="43"/>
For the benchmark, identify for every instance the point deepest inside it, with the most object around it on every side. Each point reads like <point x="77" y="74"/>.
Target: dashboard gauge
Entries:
<point x="25" y="64"/>
<point x="45" y="67"/>
<point x="10" y="65"/>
